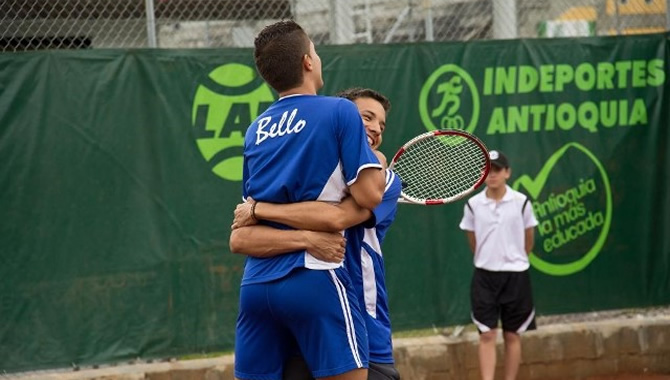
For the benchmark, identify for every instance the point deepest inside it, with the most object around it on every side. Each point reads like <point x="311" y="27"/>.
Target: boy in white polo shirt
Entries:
<point x="499" y="224"/>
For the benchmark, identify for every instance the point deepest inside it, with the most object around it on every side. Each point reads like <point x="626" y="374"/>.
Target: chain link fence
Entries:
<point x="79" y="24"/>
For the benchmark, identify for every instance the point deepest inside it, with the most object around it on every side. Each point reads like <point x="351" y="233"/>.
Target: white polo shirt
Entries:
<point x="499" y="229"/>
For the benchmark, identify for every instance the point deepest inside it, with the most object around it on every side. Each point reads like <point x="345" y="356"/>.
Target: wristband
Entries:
<point x="253" y="211"/>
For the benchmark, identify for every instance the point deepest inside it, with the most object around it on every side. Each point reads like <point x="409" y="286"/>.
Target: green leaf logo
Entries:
<point x="572" y="201"/>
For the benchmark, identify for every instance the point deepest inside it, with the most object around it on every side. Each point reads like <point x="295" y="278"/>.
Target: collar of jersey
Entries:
<point x="292" y="96"/>
<point x="505" y="198"/>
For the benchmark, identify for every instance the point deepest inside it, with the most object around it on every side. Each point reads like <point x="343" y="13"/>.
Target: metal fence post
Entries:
<point x="617" y="17"/>
<point x="428" y="10"/>
<point x="505" y="19"/>
<point x="151" y="23"/>
<point x="341" y="22"/>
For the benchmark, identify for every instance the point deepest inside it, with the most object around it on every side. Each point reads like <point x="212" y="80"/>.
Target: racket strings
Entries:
<point x="441" y="167"/>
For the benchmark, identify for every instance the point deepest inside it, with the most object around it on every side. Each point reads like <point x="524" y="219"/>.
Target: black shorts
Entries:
<point x="504" y="296"/>
<point x="296" y="369"/>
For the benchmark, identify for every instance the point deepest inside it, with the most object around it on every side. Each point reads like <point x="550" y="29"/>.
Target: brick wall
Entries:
<point x="554" y="352"/>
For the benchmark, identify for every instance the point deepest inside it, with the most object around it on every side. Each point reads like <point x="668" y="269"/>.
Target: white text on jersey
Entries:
<point x="278" y="129"/>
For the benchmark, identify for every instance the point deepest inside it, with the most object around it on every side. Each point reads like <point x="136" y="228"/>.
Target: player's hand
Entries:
<point x="326" y="246"/>
<point x="381" y="158"/>
<point x="243" y="214"/>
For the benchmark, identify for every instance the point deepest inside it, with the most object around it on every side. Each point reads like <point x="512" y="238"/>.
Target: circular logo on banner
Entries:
<point x="449" y="99"/>
<point x="572" y="201"/>
<point x="226" y="101"/>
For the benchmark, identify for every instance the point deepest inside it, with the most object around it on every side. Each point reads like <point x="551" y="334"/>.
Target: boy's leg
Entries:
<point x="487" y="354"/>
<point x="517" y="311"/>
<point x="485" y="314"/>
<point x="322" y="312"/>
<point x="517" y="316"/>
<point x="261" y="342"/>
<point x="383" y="371"/>
<point x="296" y="369"/>
<point x="356" y="374"/>
<point x="512" y="354"/>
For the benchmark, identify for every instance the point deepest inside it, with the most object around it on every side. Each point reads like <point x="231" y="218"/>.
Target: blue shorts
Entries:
<point x="315" y="310"/>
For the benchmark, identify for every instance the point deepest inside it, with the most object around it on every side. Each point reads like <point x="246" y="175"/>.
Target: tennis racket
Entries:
<point x="441" y="166"/>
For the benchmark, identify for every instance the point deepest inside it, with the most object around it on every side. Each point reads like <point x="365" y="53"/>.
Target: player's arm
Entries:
<point x="472" y="240"/>
<point x="468" y="226"/>
<point x="382" y="159"/>
<point x="368" y="190"/>
<point x="263" y="241"/>
<point x="369" y="193"/>
<point x="312" y="215"/>
<point x="529" y="222"/>
<point x="529" y="239"/>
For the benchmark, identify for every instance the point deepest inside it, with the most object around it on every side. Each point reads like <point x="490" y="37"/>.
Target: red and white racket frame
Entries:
<point x="439" y="132"/>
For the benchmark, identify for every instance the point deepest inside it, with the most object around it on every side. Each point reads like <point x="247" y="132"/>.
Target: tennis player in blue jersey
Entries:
<point x="364" y="256"/>
<point x="304" y="147"/>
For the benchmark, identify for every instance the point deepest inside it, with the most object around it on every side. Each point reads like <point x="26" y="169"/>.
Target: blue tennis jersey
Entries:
<point x="302" y="148"/>
<point x="366" y="269"/>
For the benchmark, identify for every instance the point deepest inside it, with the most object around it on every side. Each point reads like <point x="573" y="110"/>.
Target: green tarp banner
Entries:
<point x="121" y="169"/>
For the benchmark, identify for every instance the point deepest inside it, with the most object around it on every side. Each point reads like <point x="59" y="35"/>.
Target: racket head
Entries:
<point x="441" y="166"/>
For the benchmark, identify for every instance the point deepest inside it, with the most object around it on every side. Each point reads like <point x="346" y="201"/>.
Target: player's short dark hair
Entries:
<point x="360" y="92"/>
<point x="279" y="50"/>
